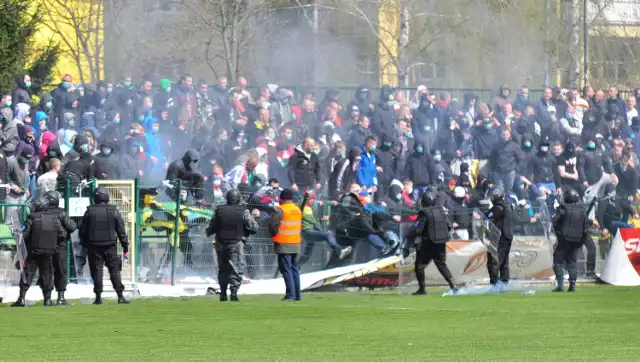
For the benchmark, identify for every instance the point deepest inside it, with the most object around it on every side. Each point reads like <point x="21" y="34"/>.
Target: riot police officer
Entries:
<point x="571" y="226"/>
<point x="102" y="226"/>
<point x="43" y="232"/>
<point x="501" y="214"/>
<point x="232" y="224"/>
<point x="60" y="256"/>
<point x="433" y="228"/>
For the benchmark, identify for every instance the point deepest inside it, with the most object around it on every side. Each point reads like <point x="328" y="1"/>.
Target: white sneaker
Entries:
<point x="346" y="251"/>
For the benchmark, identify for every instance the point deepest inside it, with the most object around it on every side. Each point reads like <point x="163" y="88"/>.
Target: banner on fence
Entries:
<point x="622" y="266"/>
<point x="530" y="258"/>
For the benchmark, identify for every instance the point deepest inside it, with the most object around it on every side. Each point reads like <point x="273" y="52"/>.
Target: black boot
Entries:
<point x="121" y="299"/>
<point x="98" y="300"/>
<point x="572" y="286"/>
<point x="47" y="299"/>
<point x="421" y="278"/>
<point x="20" y="302"/>
<point x="420" y="291"/>
<point x="234" y="297"/>
<point x="61" y="300"/>
<point x="560" y="286"/>
<point x="223" y="293"/>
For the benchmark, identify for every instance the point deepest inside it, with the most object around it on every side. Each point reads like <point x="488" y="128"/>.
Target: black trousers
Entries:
<point x="60" y="264"/>
<point x="426" y="253"/>
<point x="566" y="254"/>
<point x="99" y="256"/>
<point x="230" y="265"/>
<point x="37" y="262"/>
<point x="499" y="269"/>
<point x="590" y="244"/>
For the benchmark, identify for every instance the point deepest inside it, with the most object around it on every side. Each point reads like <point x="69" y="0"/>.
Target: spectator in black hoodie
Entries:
<point x="505" y="159"/>
<point x="387" y="161"/>
<point x="384" y="115"/>
<point x="419" y="169"/>
<point x="362" y="100"/>
<point x="344" y="173"/>
<point x="485" y="136"/>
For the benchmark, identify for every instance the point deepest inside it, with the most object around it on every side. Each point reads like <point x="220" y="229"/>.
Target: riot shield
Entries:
<point x="486" y="232"/>
<point x="21" y="248"/>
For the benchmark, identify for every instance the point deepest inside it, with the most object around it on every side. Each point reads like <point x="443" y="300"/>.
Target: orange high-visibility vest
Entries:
<point x="290" y="225"/>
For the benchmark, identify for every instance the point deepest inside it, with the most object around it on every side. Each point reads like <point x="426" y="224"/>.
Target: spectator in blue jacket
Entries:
<point x="367" y="173"/>
<point x="155" y="155"/>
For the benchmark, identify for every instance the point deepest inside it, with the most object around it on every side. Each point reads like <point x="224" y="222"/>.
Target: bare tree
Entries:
<point x="79" y="25"/>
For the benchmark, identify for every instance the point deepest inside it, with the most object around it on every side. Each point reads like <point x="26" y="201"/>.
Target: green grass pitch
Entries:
<point x="596" y="323"/>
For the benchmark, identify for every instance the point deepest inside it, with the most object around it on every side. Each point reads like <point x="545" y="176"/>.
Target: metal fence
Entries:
<point x="168" y="244"/>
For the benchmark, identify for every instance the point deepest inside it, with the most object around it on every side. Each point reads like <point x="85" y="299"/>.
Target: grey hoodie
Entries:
<point x="9" y="133"/>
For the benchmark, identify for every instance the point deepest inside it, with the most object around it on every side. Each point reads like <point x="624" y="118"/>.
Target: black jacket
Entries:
<point x="506" y="157"/>
<point x="386" y="159"/>
<point x="419" y="167"/>
<point x="384" y="115"/>
<point x="92" y="236"/>
<point x="304" y="169"/>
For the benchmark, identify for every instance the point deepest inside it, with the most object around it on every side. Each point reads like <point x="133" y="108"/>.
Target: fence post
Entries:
<point x="70" y="258"/>
<point x="176" y="233"/>
<point x="137" y="235"/>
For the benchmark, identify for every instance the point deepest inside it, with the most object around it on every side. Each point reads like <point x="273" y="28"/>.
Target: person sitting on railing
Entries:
<point x="185" y="170"/>
<point x="312" y="232"/>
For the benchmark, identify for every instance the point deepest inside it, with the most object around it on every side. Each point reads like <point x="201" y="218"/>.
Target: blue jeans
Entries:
<point x="316" y="235"/>
<point x="288" y="266"/>
<point x="376" y="241"/>
<point x="505" y="180"/>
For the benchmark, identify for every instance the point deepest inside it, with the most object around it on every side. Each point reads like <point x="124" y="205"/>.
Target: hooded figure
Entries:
<point x="46" y="106"/>
<point x="419" y="166"/>
<point x="20" y="112"/>
<point x="154" y="152"/>
<point x="9" y="133"/>
<point x="45" y="140"/>
<point x="387" y="160"/>
<point x="384" y="115"/>
<point x="21" y="93"/>
<point x="106" y="166"/>
<point x="185" y="170"/>
<point x="131" y="165"/>
<point x="77" y="165"/>
<point x="344" y="173"/>
<point x="52" y="151"/>
<point x="27" y="138"/>
<point x="362" y="100"/>
<point x="66" y="141"/>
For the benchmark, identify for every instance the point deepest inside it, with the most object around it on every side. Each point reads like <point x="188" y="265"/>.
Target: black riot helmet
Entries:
<point x="52" y="198"/>
<point x="233" y="197"/>
<point x="571" y="196"/>
<point x="496" y="195"/>
<point x="101" y="195"/>
<point x="428" y="199"/>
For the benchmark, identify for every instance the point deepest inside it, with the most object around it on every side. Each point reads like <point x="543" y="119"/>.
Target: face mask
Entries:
<point x="390" y="103"/>
<point x="25" y="160"/>
<point x="27" y="84"/>
<point x="127" y="84"/>
<point x="81" y="93"/>
<point x="224" y="137"/>
<point x="316" y="152"/>
<point x="103" y="101"/>
<point x="289" y="137"/>
<point x="527" y="145"/>
<point x="409" y="191"/>
<point x="109" y="90"/>
<point x="488" y="126"/>
<point x="209" y="111"/>
<point x="419" y="149"/>
<point x="544" y="149"/>
<point x="8" y="103"/>
<point x="342" y="154"/>
<point x="591" y="145"/>
<point x="65" y="85"/>
<point x="84" y="148"/>
<point x="116" y="120"/>
<point x="168" y="89"/>
<point x="569" y="116"/>
<point x="399" y="197"/>
<point x="43" y="126"/>
<point x="408" y="134"/>
<point x="155" y="129"/>
<point x="271" y="136"/>
<point x="72" y="123"/>
<point x="106" y="151"/>
<point x="437" y="158"/>
<point x="52" y="153"/>
<point x="48" y="105"/>
<point x="372" y="149"/>
<point x="283" y="163"/>
<point x="387" y="144"/>
<point x="150" y="106"/>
